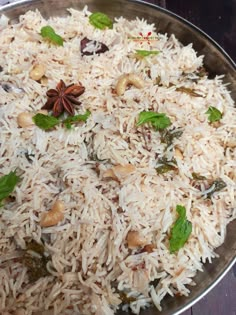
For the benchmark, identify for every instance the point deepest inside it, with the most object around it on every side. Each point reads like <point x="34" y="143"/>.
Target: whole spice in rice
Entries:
<point x="63" y="98"/>
<point x="180" y="231"/>
<point x="90" y="47"/>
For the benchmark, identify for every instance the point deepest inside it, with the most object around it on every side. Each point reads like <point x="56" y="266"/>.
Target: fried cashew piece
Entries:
<point x="53" y="216"/>
<point x="127" y="79"/>
<point x="135" y="239"/>
<point x="119" y="172"/>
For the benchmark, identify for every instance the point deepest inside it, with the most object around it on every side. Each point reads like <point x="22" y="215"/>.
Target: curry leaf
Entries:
<point x="7" y="184"/>
<point x="180" y="231"/>
<point x="168" y="136"/>
<point x="100" y="20"/>
<point x="48" y="32"/>
<point x="166" y="165"/>
<point x="159" y="121"/>
<point x="214" y="114"/>
<point x="188" y="91"/>
<point x="45" y="122"/>
<point x="197" y="176"/>
<point x="217" y="185"/>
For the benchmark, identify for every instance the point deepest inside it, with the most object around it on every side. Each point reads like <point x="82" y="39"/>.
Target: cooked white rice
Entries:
<point x="91" y="262"/>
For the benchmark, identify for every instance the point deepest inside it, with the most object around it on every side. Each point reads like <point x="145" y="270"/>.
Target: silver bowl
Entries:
<point x="216" y="61"/>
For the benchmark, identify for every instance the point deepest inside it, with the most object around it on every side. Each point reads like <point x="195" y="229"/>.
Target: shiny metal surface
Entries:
<point x="216" y="61"/>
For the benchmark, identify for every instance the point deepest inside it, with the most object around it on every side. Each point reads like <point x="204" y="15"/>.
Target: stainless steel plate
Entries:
<point x="216" y="62"/>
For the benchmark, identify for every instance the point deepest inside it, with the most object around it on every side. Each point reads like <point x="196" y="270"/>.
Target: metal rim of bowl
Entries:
<point x="231" y="263"/>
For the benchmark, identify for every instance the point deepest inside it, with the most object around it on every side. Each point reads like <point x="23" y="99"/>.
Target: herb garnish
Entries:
<point x="77" y="118"/>
<point x="45" y="122"/>
<point x="100" y="20"/>
<point x="159" y="121"/>
<point x="214" y="114"/>
<point x="168" y="136"/>
<point x="49" y="33"/>
<point x="188" y="91"/>
<point x="35" y="260"/>
<point x="7" y="185"/>
<point x="166" y="165"/>
<point x="181" y="230"/>
<point x="217" y="185"/>
<point x="197" y="176"/>
<point x="146" y="53"/>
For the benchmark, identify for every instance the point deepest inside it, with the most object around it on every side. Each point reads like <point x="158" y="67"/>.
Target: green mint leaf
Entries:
<point x="100" y="20"/>
<point x="146" y="53"/>
<point x="7" y="184"/>
<point x="77" y="118"/>
<point x="159" y="121"/>
<point x="214" y="114"/>
<point x="48" y="32"/>
<point x="45" y="122"/>
<point x="180" y="231"/>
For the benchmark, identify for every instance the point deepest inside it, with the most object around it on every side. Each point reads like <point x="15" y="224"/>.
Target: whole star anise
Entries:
<point x="63" y="98"/>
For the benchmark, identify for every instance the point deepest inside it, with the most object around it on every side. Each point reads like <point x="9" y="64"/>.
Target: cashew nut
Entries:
<point x="178" y="154"/>
<point x="119" y="171"/>
<point x="53" y="216"/>
<point x="24" y="119"/>
<point x="126" y="79"/>
<point x="37" y="72"/>
<point x="134" y="239"/>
